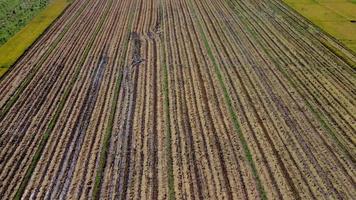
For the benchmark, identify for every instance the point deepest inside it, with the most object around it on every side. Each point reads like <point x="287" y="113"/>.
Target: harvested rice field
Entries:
<point x="179" y="99"/>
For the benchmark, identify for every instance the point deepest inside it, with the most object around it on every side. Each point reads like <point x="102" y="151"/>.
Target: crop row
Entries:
<point x="179" y="100"/>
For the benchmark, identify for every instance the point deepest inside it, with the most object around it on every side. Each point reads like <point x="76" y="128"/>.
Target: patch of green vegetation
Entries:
<point x="17" y="45"/>
<point x="9" y="52"/>
<point x="14" y="14"/>
<point x="2" y="71"/>
<point x="334" y="17"/>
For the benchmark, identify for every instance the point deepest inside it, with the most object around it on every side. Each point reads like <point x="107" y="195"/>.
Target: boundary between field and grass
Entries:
<point x="230" y="106"/>
<point x="340" y="54"/>
<point x="57" y="113"/>
<point x="320" y="117"/>
<point x="10" y="102"/>
<point x="18" y="44"/>
<point x="347" y="59"/>
<point x="106" y="140"/>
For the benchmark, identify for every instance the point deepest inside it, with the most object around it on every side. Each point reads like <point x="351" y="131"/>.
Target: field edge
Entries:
<point x="18" y="44"/>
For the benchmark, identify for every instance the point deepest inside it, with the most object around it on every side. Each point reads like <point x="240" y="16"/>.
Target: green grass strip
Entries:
<point x="107" y="137"/>
<point x="171" y="191"/>
<point x="55" y="118"/>
<point x="231" y="109"/>
<point x="168" y="142"/>
<point x="17" y="45"/>
<point x="106" y="142"/>
<point x="5" y="109"/>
